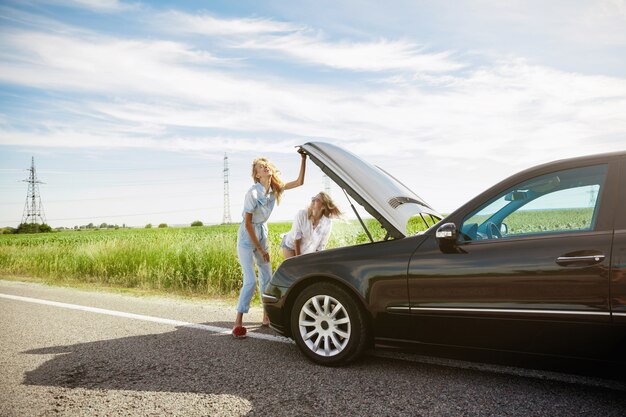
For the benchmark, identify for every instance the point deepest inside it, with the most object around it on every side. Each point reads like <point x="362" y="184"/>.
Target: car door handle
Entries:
<point x="579" y="260"/>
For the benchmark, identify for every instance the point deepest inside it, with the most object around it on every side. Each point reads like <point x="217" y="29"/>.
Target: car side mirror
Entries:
<point x="447" y="235"/>
<point x="447" y="231"/>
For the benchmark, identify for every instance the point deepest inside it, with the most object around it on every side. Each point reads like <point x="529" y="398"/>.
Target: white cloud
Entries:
<point x="109" y="66"/>
<point x="300" y="43"/>
<point x="70" y="138"/>
<point x="206" y="24"/>
<point x="145" y="91"/>
<point x="381" y="55"/>
<point x="96" y="5"/>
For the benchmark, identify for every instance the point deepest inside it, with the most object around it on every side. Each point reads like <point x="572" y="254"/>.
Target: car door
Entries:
<point x="529" y="272"/>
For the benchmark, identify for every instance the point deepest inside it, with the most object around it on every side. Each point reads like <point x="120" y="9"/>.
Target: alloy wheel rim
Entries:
<point x="324" y="325"/>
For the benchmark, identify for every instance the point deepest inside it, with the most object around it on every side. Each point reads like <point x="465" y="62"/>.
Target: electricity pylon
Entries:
<point x="33" y="209"/>
<point x="326" y="184"/>
<point x="226" y="218"/>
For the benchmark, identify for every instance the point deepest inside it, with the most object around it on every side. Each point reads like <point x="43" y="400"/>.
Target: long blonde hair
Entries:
<point x="276" y="184"/>
<point x="330" y="208"/>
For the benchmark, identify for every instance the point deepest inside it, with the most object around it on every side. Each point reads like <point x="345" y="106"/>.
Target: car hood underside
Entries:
<point x="383" y="197"/>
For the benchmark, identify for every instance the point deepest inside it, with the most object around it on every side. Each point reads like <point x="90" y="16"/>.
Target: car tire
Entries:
<point x="328" y="325"/>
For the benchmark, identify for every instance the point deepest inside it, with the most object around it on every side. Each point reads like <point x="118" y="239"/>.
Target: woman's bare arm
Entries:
<point x="300" y="180"/>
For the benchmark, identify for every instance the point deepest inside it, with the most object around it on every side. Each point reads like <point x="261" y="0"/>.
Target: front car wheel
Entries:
<point x="328" y="325"/>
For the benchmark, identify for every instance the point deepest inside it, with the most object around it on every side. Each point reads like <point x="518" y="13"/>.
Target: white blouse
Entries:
<point x="312" y="239"/>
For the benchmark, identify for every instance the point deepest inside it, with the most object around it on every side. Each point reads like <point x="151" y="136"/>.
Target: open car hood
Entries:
<point x="384" y="197"/>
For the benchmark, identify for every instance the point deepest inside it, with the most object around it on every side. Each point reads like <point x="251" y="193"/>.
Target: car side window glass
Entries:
<point x="558" y="202"/>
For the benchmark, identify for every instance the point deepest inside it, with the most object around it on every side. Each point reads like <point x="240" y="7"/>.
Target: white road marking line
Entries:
<point x="177" y="323"/>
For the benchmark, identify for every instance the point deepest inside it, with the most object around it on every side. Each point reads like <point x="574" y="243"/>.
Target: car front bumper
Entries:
<point x="274" y="304"/>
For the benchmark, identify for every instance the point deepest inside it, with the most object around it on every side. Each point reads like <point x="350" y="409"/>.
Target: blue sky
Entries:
<point x="129" y="107"/>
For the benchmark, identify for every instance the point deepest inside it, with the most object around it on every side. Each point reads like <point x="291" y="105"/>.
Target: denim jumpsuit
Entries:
<point x="260" y="205"/>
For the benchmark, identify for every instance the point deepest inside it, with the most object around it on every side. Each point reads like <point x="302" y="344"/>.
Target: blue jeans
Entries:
<point x="247" y="258"/>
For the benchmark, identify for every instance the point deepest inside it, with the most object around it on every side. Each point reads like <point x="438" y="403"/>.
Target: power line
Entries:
<point x="127" y="183"/>
<point x="112" y="169"/>
<point x="124" y="198"/>
<point x="34" y="208"/>
<point x="137" y="214"/>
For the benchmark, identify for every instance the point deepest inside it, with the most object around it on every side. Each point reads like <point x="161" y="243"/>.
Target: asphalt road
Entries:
<point x="70" y="352"/>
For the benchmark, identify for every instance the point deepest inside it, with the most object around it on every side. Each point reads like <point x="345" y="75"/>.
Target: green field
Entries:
<point x="190" y="260"/>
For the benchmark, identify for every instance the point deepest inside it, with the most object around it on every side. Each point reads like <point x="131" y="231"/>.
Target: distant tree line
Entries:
<point x="27" y="228"/>
<point x="102" y="226"/>
<point x="44" y="228"/>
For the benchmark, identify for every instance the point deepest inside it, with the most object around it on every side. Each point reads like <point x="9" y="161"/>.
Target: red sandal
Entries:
<point x="239" y="332"/>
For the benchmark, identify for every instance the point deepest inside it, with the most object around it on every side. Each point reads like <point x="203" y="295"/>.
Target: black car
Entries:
<point x="536" y="265"/>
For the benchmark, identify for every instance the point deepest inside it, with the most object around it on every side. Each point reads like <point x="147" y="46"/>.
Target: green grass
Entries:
<point x="190" y="261"/>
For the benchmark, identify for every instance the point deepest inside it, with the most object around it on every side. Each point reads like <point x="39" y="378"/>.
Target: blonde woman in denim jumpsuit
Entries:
<point x="252" y="238"/>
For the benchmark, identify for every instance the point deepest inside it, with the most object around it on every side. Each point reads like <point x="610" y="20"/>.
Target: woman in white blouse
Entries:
<point x="311" y="227"/>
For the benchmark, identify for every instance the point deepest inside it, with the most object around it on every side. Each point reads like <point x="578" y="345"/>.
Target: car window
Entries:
<point x="563" y="201"/>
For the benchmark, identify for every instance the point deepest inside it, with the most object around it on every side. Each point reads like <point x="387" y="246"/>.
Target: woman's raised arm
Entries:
<point x="298" y="182"/>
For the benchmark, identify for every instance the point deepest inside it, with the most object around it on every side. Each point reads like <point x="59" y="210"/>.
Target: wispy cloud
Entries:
<point x="96" y="64"/>
<point x="380" y="55"/>
<point x="70" y="138"/>
<point x="206" y="24"/>
<point x="305" y="45"/>
<point x="140" y="93"/>
<point x="96" y="5"/>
